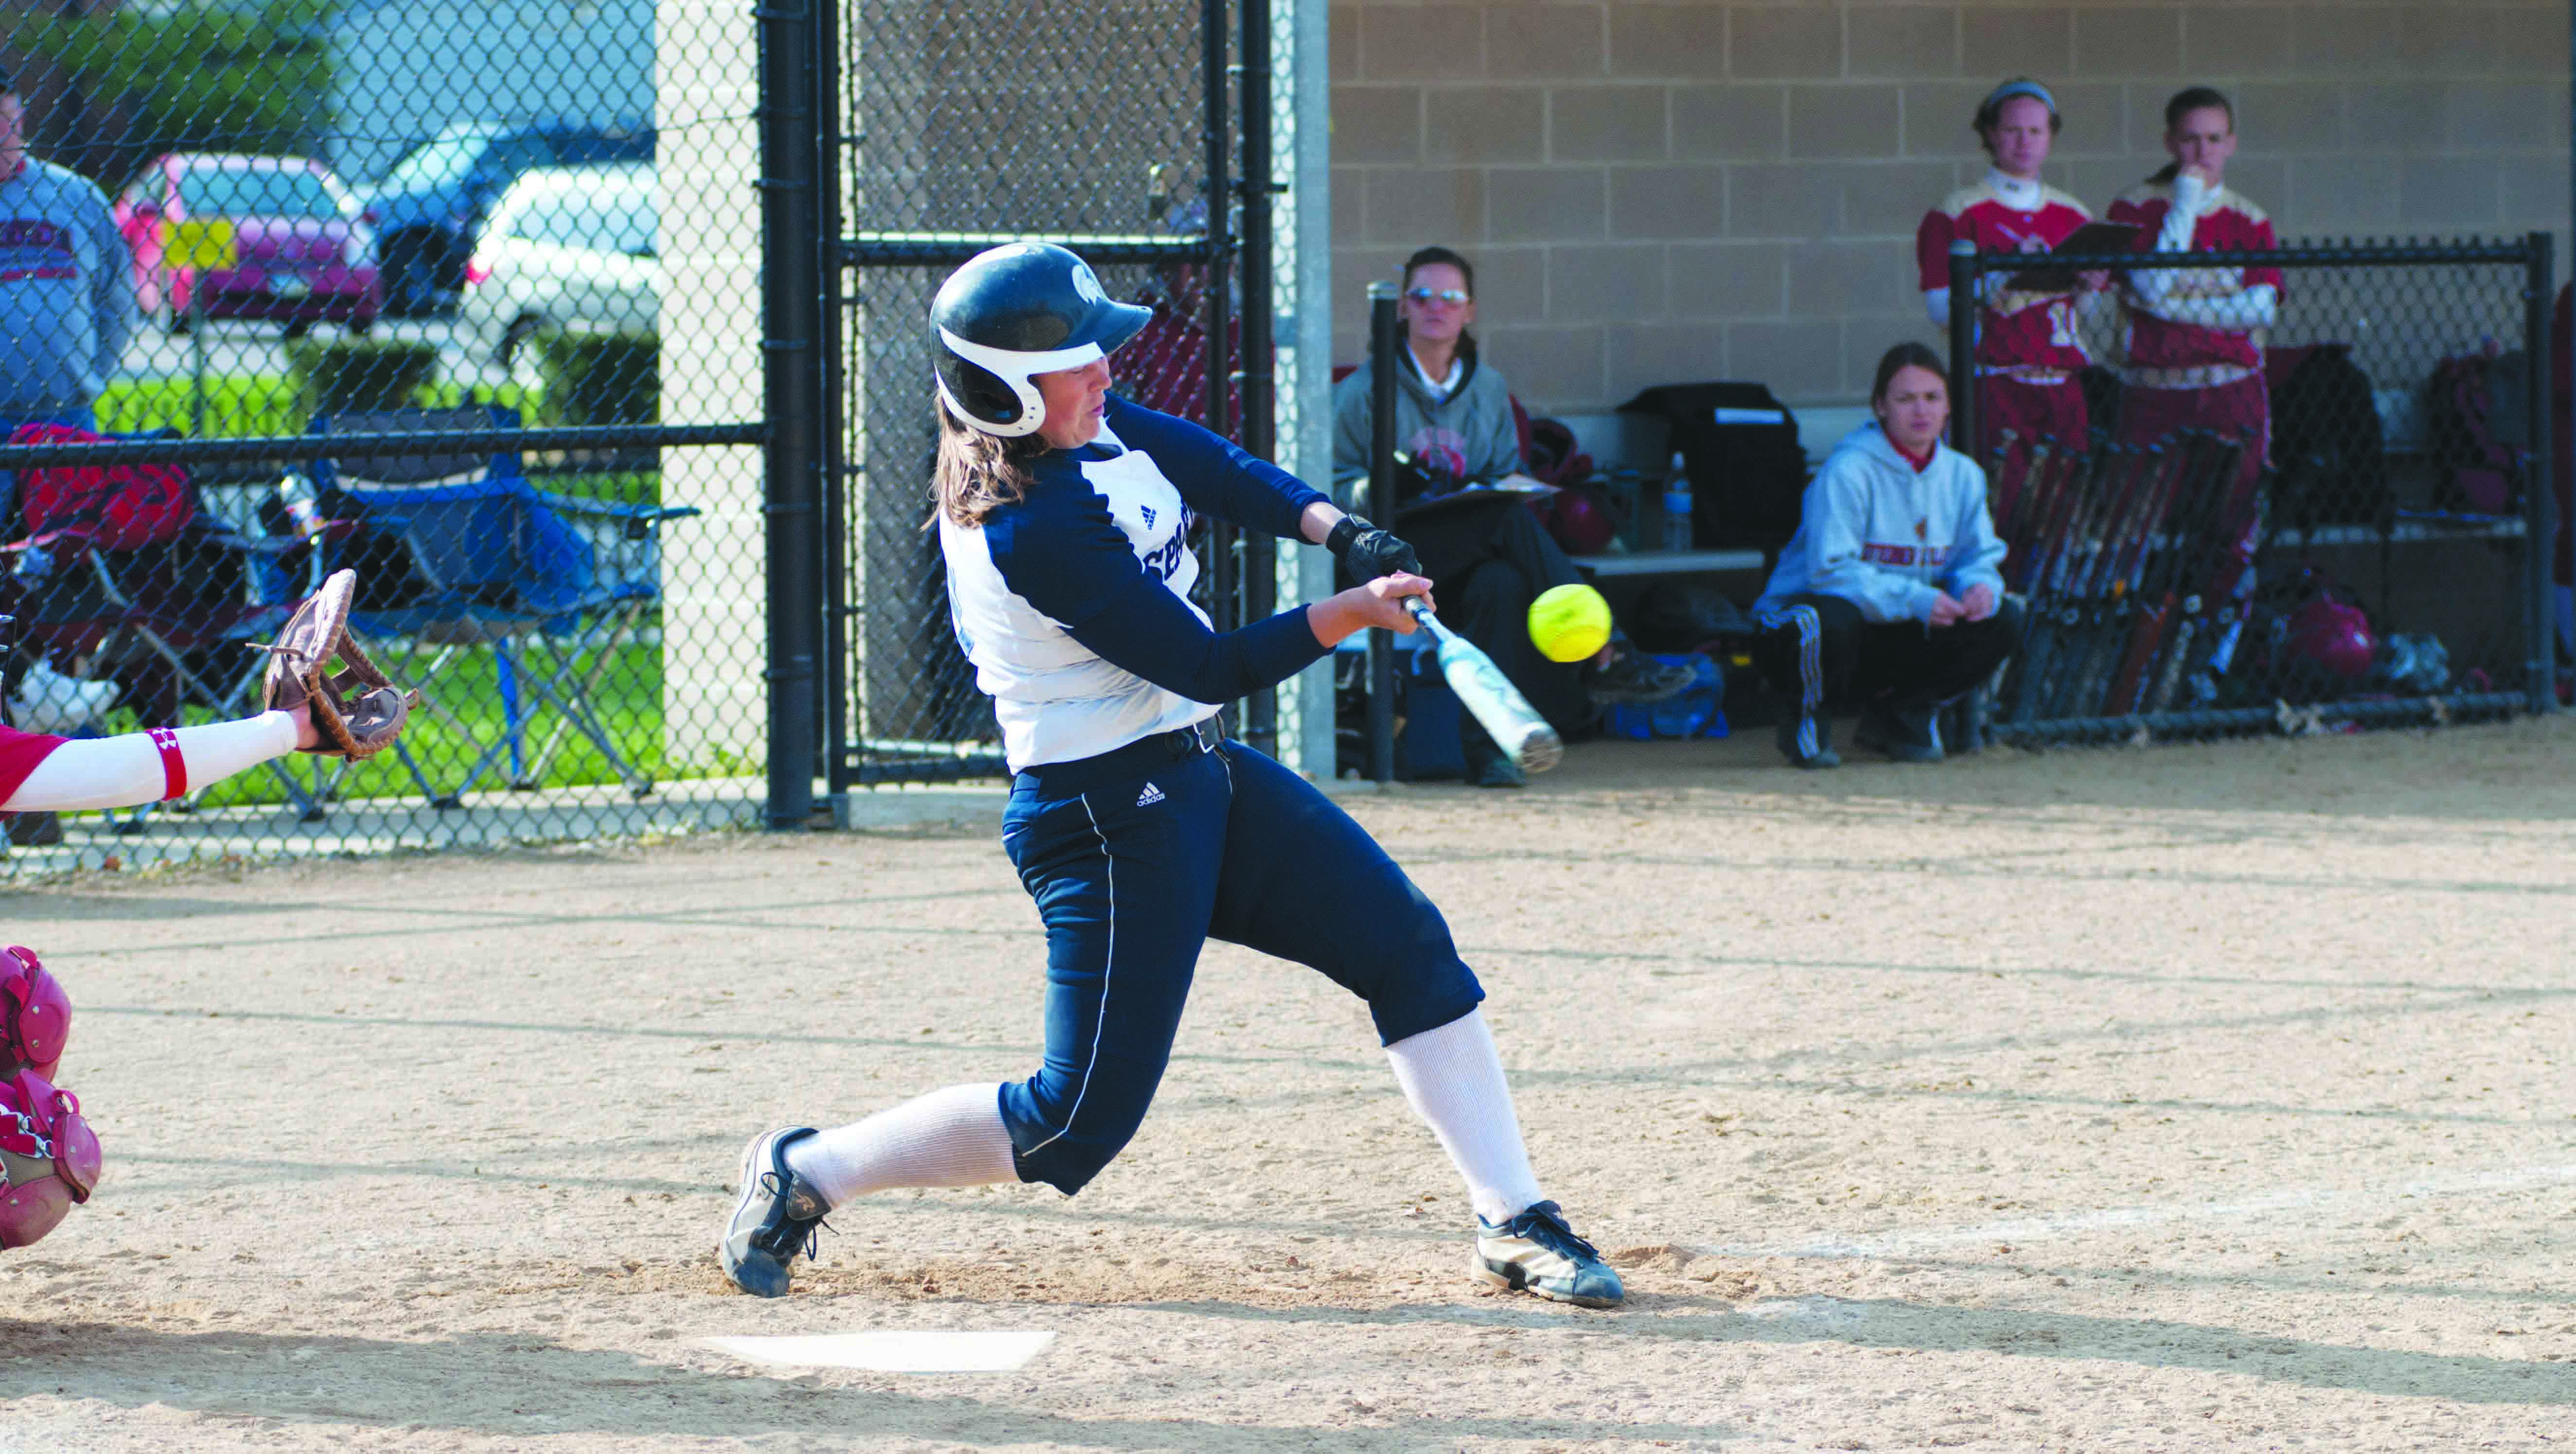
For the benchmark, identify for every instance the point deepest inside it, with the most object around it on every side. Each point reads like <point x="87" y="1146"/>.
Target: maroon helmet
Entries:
<point x="2333" y="635"/>
<point x="35" y="1015"/>
<point x="1579" y="522"/>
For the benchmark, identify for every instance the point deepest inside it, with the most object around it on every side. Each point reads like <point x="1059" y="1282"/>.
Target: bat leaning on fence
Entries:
<point x="2057" y="565"/>
<point x="2162" y="583"/>
<point x="2038" y="533"/>
<point x="2030" y="506"/>
<point x="2107" y="616"/>
<point x="2197" y="614"/>
<point x="1490" y="697"/>
<point x="2120" y="486"/>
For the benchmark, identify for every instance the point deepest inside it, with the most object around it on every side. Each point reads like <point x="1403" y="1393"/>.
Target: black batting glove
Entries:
<point x="1368" y="552"/>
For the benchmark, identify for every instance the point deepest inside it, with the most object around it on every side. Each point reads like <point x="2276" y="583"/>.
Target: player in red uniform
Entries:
<point x="2194" y="336"/>
<point x="48" y="1158"/>
<point x="2028" y="351"/>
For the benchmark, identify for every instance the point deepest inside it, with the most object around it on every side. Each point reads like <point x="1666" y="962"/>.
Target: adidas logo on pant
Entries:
<point x="1149" y="797"/>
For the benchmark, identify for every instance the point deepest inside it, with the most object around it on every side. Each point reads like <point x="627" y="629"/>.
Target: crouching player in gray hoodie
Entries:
<point x="1889" y="594"/>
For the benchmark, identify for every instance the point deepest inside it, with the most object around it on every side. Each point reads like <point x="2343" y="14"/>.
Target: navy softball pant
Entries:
<point x="1136" y="859"/>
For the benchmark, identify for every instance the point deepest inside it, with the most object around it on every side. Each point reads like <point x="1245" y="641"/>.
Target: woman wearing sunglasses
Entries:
<point x="1453" y="420"/>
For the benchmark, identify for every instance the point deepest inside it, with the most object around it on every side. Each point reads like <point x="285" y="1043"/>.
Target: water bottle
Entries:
<point x="1677" y="507"/>
<point x="303" y="502"/>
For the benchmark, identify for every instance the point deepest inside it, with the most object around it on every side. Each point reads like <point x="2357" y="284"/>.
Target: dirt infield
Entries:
<point x="2206" y="1097"/>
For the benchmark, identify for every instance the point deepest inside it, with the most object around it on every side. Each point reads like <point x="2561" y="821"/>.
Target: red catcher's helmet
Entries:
<point x="35" y="1015"/>
<point x="2333" y="635"/>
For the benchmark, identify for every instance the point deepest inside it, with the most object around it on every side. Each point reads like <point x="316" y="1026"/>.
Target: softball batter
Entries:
<point x="1064" y="516"/>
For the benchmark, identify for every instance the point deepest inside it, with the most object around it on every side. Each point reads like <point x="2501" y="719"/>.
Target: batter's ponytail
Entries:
<point x="979" y="473"/>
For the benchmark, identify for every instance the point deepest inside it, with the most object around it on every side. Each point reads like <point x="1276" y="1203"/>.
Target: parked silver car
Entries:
<point x="568" y="247"/>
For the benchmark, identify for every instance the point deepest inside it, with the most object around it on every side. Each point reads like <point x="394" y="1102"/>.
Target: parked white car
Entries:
<point x="568" y="247"/>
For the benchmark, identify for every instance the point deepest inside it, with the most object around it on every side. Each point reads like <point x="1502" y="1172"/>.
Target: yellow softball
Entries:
<point x="1569" y="623"/>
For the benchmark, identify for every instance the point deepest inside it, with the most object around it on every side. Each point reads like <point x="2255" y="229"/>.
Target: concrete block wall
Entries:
<point x="1655" y="190"/>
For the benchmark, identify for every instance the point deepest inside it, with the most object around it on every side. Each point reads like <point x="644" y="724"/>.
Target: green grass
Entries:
<point x="262" y="404"/>
<point x="466" y="694"/>
<point x="628" y="697"/>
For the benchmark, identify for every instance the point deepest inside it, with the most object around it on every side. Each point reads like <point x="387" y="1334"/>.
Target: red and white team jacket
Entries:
<point x="2193" y="328"/>
<point x="2029" y="335"/>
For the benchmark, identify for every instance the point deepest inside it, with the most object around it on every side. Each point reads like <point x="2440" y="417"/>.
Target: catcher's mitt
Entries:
<point x="357" y="726"/>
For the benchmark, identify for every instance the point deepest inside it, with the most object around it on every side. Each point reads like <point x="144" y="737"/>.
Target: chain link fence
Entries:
<point x="1110" y="134"/>
<point x="2339" y="526"/>
<point x="461" y="296"/>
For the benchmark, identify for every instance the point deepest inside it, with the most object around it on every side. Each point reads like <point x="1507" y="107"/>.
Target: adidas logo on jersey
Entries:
<point x="1149" y="797"/>
<point x="1148" y="512"/>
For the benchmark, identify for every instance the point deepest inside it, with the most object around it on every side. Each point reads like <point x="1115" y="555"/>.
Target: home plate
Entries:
<point x="892" y="1352"/>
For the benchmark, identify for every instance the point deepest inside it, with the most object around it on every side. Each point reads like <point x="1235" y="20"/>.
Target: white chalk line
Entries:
<point x="2020" y="1230"/>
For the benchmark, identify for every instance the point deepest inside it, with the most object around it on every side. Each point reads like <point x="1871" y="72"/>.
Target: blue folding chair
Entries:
<point x="551" y="585"/>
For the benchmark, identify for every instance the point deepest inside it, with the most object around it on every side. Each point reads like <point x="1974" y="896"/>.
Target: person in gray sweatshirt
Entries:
<point x="1890" y="594"/>
<point x="66" y="288"/>
<point x="1491" y="557"/>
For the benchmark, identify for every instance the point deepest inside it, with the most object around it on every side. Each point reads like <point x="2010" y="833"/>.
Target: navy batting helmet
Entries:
<point x="1027" y="308"/>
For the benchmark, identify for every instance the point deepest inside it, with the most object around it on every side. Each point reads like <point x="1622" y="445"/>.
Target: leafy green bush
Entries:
<point x="341" y="375"/>
<point x="242" y="77"/>
<point x="599" y="378"/>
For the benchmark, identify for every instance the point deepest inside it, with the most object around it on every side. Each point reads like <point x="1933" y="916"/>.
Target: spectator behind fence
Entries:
<point x="66" y="289"/>
<point x="2195" y="335"/>
<point x="1889" y="594"/>
<point x="2028" y="353"/>
<point x="1487" y="553"/>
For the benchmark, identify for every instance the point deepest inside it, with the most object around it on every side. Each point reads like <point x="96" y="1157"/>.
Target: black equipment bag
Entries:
<point x="1740" y="448"/>
<point x="2329" y="456"/>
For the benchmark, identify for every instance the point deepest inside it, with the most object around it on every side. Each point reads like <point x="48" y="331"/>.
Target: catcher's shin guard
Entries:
<point x="35" y="1015"/>
<point x="352" y="724"/>
<point x="48" y="1157"/>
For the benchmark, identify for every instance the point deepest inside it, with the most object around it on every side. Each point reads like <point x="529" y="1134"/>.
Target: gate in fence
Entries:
<point x="1123" y="130"/>
<point x="460" y="296"/>
<point x="2337" y="511"/>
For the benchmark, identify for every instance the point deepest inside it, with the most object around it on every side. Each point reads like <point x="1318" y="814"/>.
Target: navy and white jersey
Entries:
<point x="1073" y="603"/>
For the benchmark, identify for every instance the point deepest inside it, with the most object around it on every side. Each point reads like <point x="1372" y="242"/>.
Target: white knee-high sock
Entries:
<point x="952" y="1137"/>
<point x="1454" y="1081"/>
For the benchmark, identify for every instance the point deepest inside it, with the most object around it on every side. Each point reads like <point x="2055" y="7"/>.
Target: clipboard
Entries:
<point x="2090" y="240"/>
<point x="1474" y="495"/>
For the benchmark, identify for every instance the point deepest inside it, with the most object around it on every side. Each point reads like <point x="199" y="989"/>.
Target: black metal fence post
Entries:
<point x="1963" y="346"/>
<point x="831" y="467"/>
<point x="1381" y="508"/>
<point x="2540" y="546"/>
<point x="791" y="332"/>
<point x="1225" y="596"/>
<point x="1253" y="363"/>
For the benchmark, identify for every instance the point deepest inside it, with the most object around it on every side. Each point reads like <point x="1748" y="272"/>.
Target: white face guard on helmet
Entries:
<point x="1014" y="370"/>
